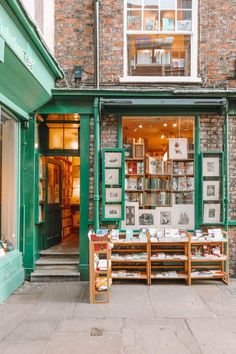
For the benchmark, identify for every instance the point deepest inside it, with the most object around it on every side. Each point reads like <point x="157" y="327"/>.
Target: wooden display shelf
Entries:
<point x="154" y="259"/>
<point x="141" y="276"/>
<point x="179" y="276"/>
<point x="210" y="259"/>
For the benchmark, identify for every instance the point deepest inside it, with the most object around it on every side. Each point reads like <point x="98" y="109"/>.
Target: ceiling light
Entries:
<point x="175" y="125"/>
<point x="165" y="124"/>
<point x="162" y="137"/>
<point x="140" y="126"/>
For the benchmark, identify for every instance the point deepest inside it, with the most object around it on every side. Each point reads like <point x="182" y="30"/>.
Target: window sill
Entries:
<point x="163" y="79"/>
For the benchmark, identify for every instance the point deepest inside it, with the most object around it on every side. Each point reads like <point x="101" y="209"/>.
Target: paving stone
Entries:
<point x="84" y="343"/>
<point x="215" y="336"/>
<point x="36" y="347"/>
<point x="85" y="325"/>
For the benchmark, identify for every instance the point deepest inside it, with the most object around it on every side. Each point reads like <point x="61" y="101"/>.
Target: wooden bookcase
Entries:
<point x="169" y="259"/>
<point x="99" y="251"/>
<point x="203" y="264"/>
<point x="130" y="260"/>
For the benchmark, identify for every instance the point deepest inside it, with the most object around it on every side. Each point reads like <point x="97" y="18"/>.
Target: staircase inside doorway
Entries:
<point x="58" y="263"/>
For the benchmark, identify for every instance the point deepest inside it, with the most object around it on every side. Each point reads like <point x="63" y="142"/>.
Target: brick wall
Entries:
<point x="74" y="41"/>
<point x="211" y="133"/>
<point x="232" y="168"/>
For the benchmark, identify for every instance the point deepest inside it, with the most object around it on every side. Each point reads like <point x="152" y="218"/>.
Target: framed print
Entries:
<point x="211" y="190"/>
<point x="113" y="159"/>
<point x="184" y="216"/>
<point x="178" y="148"/>
<point x="138" y="151"/>
<point x="131" y="216"/>
<point x="211" y="167"/>
<point x="164" y="217"/>
<point x="113" y="211"/>
<point x="212" y="213"/>
<point x="147" y="218"/>
<point x="111" y="176"/>
<point x="113" y="195"/>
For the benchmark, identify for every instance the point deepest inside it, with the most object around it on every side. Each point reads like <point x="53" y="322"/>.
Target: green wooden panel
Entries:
<point x="2" y="50"/>
<point x="84" y="197"/>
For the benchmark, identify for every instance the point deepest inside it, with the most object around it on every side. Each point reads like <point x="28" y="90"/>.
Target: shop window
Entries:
<point x="159" y="172"/>
<point x="8" y="177"/>
<point x="161" y="39"/>
<point x="63" y="136"/>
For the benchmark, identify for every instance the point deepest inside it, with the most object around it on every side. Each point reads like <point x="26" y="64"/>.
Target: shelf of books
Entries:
<point x="99" y="269"/>
<point x="169" y="254"/>
<point x="129" y="256"/>
<point x="209" y="256"/>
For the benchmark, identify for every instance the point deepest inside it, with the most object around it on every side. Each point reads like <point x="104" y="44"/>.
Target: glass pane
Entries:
<point x="167" y="21"/>
<point x="134" y="20"/>
<point x="71" y="138"/>
<point x="167" y="4"/>
<point x="150" y="21"/>
<point x="55" y="138"/>
<point x="159" y="55"/>
<point x="184" y="21"/>
<point x="134" y="3"/>
<point x="184" y="4"/>
<point x="151" y="4"/>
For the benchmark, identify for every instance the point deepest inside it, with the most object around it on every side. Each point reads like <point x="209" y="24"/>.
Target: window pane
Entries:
<point x="184" y="21"/>
<point x="167" y="20"/>
<point x="159" y="55"/>
<point x="167" y="4"/>
<point x="152" y="4"/>
<point x="55" y="138"/>
<point x="134" y="20"/>
<point x="150" y="21"/>
<point x="184" y="4"/>
<point x="71" y="138"/>
<point x="134" y="3"/>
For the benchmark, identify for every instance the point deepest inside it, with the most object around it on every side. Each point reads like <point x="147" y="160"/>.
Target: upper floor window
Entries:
<point x="161" y="39"/>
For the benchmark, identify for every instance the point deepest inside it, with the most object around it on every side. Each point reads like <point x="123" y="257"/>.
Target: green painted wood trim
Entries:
<point x="84" y="197"/>
<point x="32" y="31"/>
<point x="197" y="172"/>
<point x="226" y="168"/>
<point x="60" y="106"/>
<point x="119" y="133"/>
<point x="2" y="50"/>
<point x="120" y="185"/>
<point x="14" y="108"/>
<point x="96" y="162"/>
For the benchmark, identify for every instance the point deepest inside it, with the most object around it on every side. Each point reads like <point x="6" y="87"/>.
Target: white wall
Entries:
<point x="48" y="19"/>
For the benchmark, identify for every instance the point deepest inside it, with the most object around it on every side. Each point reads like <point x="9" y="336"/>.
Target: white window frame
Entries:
<point x="194" y="52"/>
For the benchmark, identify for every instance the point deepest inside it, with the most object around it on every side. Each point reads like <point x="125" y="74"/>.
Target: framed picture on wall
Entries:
<point x="184" y="216"/>
<point x="113" y="159"/>
<point x="211" y="167"/>
<point x="211" y="190"/>
<point x="212" y="213"/>
<point x="164" y="217"/>
<point x="138" y="151"/>
<point x="113" y="195"/>
<point x="178" y="148"/>
<point x="113" y="211"/>
<point x="111" y="176"/>
<point x="131" y="216"/>
<point x="147" y="218"/>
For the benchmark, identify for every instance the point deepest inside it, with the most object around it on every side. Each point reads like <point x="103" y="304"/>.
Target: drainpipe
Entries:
<point x="226" y="160"/>
<point x="96" y="162"/>
<point x="96" y="45"/>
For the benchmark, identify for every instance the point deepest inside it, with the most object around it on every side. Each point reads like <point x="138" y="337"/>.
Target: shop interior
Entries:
<point x="159" y="171"/>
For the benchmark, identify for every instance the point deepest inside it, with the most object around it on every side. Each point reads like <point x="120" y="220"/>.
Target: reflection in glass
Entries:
<point x="152" y="4"/>
<point x="184" y="20"/>
<point x="167" y="20"/>
<point x="150" y="21"/>
<point x="134" y="20"/>
<point x="184" y="4"/>
<point x="134" y="3"/>
<point x="56" y="138"/>
<point x="167" y="4"/>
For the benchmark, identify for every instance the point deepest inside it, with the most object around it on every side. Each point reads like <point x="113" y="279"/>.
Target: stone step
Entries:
<point x="54" y="276"/>
<point x="57" y="263"/>
<point x="58" y="254"/>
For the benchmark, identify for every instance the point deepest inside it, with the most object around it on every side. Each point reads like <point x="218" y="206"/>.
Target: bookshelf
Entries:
<point x="99" y="271"/>
<point x="130" y="260"/>
<point x="208" y="259"/>
<point x="41" y="189"/>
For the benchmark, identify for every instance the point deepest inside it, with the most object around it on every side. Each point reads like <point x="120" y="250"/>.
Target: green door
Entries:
<point x="53" y="203"/>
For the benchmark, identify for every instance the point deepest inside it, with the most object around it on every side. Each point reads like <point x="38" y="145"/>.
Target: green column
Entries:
<point x="84" y="195"/>
<point x="197" y="172"/>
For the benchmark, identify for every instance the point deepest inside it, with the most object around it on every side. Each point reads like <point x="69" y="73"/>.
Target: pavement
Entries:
<point x="55" y="318"/>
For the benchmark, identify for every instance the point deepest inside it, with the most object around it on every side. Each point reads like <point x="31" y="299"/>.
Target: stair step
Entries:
<point x="48" y="253"/>
<point x="54" y="275"/>
<point x="57" y="261"/>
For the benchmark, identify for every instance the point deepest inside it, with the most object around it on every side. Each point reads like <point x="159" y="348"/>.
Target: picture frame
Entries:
<point x="211" y="167"/>
<point x="178" y="148"/>
<point x="147" y="218"/>
<point x="165" y="217"/>
<point x="131" y="216"/>
<point x="212" y="213"/>
<point x="113" y="159"/>
<point x="138" y="151"/>
<point x="211" y="190"/>
<point x="113" y="195"/>
<point x="184" y="216"/>
<point x="111" y="176"/>
<point x="113" y="211"/>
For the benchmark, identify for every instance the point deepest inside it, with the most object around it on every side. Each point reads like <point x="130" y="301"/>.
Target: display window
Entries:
<point x="159" y="172"/>
<point x="161" y="37"/>
<point x="9" y="135"/>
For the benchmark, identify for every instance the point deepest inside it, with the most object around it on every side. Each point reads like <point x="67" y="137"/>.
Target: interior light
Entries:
<point x="175" y="125"/>
<point x="162" y="137"/>
<point x="76" y="115"/>
<point x="165" y="124"/>
<point x="140" y="126"/>
<point x="165" y="156"/>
